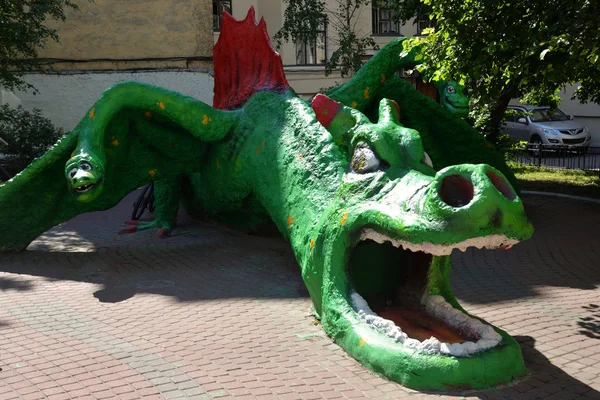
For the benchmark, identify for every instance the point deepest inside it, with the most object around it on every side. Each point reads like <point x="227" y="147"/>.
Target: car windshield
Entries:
<point x="546" y="115"/>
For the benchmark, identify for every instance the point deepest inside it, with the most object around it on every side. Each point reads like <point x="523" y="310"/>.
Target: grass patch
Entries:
<point x="573" y="182"/>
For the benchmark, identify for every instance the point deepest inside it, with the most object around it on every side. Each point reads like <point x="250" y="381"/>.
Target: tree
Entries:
<point x="304" y="18"/>
<point x="22" y="33"/>
<point x="517" y="48"/>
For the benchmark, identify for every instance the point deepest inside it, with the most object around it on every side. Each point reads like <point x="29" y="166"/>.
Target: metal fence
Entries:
<point x="552" y="156"/>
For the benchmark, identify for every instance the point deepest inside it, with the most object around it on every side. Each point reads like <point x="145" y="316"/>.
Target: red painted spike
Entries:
<point x="245" y="62"/>
<point x="397" y="107"/>
<point x="325" y="109"/>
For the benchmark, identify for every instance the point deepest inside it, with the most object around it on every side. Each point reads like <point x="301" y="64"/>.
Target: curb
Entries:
<point x="566" y="196"/>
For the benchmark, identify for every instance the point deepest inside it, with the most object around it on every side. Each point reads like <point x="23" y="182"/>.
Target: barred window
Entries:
<point x="314" y="53"/>
<point x="218" y="7"/>
<point x="383" y="23"/>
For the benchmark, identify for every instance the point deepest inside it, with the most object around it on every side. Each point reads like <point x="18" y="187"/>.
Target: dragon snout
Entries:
<point x="475" y="197"/>
<point x="458" y="190"/>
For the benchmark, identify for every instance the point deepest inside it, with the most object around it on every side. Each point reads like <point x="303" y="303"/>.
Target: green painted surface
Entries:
<point x="272" y="159"/>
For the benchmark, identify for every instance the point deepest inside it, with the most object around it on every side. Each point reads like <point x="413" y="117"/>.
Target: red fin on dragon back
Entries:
<point x="242" y="70"/>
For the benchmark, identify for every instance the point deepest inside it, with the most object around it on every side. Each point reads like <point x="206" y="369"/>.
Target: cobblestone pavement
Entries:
<point x="213" y="313"/>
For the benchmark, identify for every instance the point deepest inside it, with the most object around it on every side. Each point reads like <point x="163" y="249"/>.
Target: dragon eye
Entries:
<point x="85" y="166"/>
<point x="451" y="89"/>
<point x="426" y="160"/>
<point x="72" y="172"/>
<point x="364" y="159"/>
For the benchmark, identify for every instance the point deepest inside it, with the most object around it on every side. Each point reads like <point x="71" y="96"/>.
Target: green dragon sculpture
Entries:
<point x="450" y="92"/>
<point x="372" y="209"/>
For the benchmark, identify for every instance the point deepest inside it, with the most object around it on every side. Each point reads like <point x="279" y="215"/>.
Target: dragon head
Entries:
<point x="85" y="176"/>
<point x="452" y="97"/>
<point x="378" y="269"/>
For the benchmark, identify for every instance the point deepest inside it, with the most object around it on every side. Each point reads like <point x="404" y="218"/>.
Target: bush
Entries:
<point x="25" y="135"/>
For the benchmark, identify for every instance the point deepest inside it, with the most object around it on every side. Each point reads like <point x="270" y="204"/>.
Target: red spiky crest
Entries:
<point x="245" y="62"/>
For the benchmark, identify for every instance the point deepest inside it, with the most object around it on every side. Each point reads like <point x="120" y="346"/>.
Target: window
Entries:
<point x="313" y="53"/>
<point x="218" y="7"/>
<point x="383" y="23"/>
<point x="423" y="24"/>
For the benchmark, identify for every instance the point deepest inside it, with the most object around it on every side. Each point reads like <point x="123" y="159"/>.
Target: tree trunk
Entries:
<point x="497" y="113"/>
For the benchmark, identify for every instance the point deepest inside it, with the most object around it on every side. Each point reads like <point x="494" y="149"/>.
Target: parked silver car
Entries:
<point x="540" y="124"/>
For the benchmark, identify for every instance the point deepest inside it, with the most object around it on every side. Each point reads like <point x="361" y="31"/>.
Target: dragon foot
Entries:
<point x="136" y="226"/>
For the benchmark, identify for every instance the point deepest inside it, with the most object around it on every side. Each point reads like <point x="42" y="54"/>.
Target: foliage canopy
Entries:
<point x="23" y="32"/>
<point x="515" y="48"/>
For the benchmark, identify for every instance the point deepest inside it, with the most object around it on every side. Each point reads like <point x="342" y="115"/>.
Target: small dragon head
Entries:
<point x="85" y="176"/>
<point x="453" y="98"/>
<point x="383" y="247"/>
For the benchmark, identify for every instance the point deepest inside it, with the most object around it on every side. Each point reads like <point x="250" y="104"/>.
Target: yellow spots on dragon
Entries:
<point x="161" y="105"/>
<point x="218" y="164"/>
<point x="115" y="141"/>
<point x="152" y="173"/>
<point x="92" y="113"/>
<point x="262" y="144"/>
<point x="362" y="342"/>
<point x="344" y="218"/>
<point x="354" y="104"/>
<point x="290" y="221"/>
<point x="366" y="94"/>
<point x="299" y="157"/>
<point x="148" y="115"/>
<point x="72" y="154"/>
<point x="312" y="244"/>
<point x="383" y="78"/>
<point x="206" y="119"/>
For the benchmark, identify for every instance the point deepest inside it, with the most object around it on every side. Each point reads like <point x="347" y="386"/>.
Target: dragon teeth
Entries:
<point x="442" y="310"/>
<point x="490" y="242"/>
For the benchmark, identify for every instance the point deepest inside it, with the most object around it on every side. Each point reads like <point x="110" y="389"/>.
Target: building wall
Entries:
<point x="65" y="99"/>
<point x="165" y="43"/>
<point x="589" y="114"/>
<point x="133" y="30"/>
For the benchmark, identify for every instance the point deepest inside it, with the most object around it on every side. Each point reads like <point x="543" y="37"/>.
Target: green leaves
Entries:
<point x="503" y="50"/>
<point x="25" y="134"/>
<point x="23" y="32"/>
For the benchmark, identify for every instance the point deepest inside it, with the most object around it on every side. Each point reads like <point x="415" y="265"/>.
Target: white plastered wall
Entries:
<point x="65" y="99"/>
<point x="589" y="114"/>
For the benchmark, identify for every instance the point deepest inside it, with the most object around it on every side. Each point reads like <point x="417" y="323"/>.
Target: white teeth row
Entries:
<point x="84" y="188"/>
<point x="490" y="242"/>
<point x="439" y="308"/>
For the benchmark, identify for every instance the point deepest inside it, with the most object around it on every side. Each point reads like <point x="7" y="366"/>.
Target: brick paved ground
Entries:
<point x="212" y="313"/>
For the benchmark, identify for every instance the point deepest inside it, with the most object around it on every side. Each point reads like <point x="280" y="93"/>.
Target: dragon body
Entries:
<point x="371" y="207"/>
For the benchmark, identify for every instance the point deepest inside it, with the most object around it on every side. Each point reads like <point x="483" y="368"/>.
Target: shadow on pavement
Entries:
<point x="563" y="252"/>
<point x="233" y="268"/>
<point x="14" y="284"/>
<point x="591" y="325"/>
<point x="543" y="380"/>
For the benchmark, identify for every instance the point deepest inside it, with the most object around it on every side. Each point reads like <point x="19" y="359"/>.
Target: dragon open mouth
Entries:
<point x="84" y="188"/>
<point x="389" y="280"/>
<point x="456" y="107"/>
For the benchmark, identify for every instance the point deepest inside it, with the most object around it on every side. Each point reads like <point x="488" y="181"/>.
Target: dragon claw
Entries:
<point x="163" y="233"/>
<point x="133" y="229"/>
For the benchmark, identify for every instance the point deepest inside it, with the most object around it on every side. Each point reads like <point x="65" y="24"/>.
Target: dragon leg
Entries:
<point x="133" y="134"/>
<point x="167" y="195"/>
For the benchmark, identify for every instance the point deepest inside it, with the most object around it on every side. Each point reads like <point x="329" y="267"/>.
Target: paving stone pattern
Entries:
<point x="214" y="313"/>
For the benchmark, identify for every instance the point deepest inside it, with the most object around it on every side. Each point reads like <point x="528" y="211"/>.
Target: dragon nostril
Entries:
<point x="501" y="184"/>
<point x="456" y="191"/>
